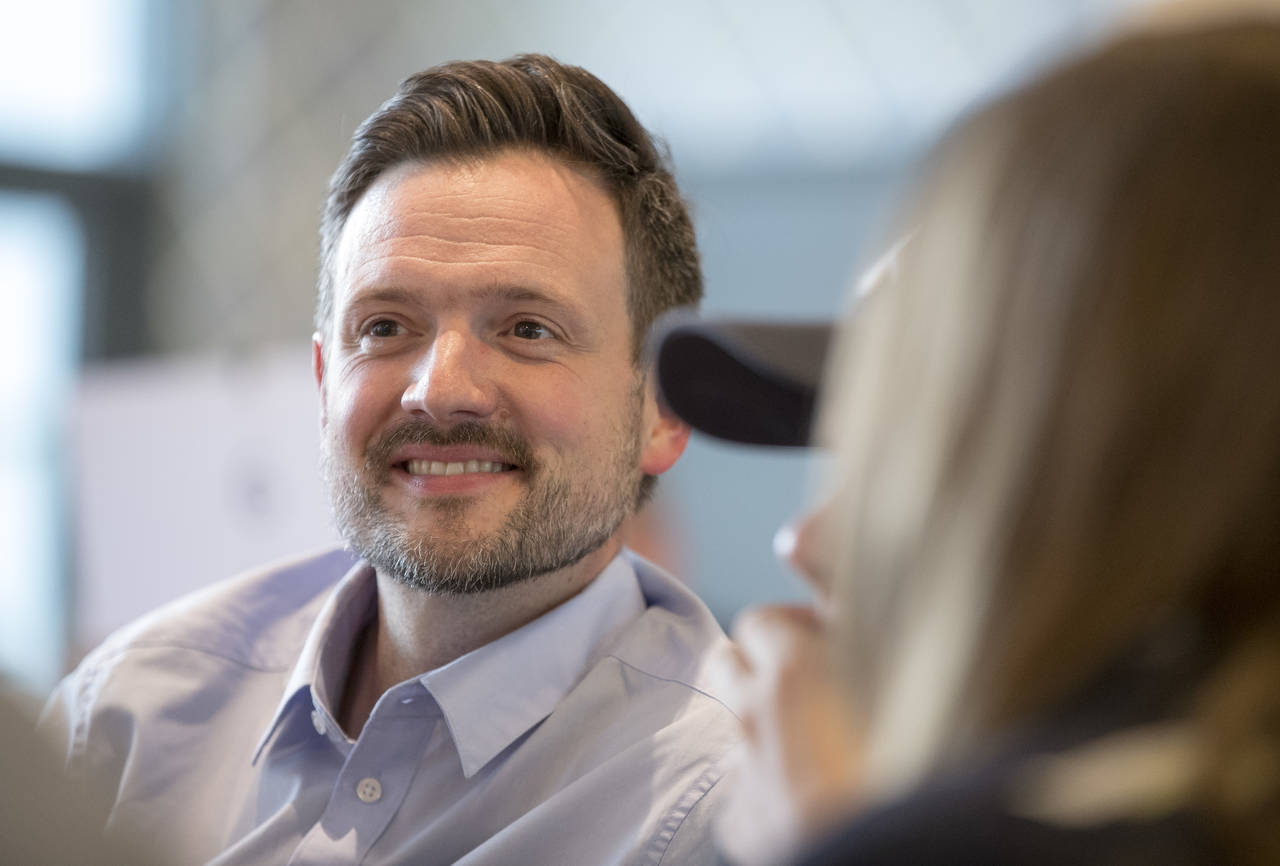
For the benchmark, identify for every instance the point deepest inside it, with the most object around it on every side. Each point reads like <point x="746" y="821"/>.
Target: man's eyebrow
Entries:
<point x="384" y="295"/>
<point x="494" y="294"/>
<point x="505" y="292"/>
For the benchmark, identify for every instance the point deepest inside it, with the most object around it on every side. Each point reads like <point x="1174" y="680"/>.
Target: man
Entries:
<point x="492" y="681"/>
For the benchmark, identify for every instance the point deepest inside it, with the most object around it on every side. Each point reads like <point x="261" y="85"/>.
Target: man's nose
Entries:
<point x="450" y="382"/>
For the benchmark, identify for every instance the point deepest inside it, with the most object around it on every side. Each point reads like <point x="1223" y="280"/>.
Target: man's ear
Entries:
<point x="317" y="366"/>
<point x="665" y="434"/>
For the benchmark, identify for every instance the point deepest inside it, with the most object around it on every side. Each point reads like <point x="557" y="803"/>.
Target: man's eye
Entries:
<point x="527" y="330"/>
<point x="383" y="328"/>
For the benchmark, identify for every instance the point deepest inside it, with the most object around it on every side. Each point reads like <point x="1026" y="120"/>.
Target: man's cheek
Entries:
<point x="350" y="405"/>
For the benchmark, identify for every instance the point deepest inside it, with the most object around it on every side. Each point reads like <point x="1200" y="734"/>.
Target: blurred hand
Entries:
<point x="797" y="774"/>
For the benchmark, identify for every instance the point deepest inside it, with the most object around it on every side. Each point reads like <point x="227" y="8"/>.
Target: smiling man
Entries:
<point x="485" y="675"/>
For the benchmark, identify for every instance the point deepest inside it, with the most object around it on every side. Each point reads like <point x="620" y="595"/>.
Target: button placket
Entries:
<point x="379" y="768"/>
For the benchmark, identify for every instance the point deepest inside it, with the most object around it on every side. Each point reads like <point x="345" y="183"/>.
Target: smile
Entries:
<point x="437" y="467"/>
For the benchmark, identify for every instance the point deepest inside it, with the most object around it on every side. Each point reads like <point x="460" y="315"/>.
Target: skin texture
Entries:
<point x="488" y="298"/>
<point x="797" y="775"/>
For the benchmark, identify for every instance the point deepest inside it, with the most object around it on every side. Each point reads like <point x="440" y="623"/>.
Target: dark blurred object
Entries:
<point x="750" y="382"/>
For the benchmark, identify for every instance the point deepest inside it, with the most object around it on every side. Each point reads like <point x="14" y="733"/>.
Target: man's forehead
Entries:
<point x="515" y="219"/>
<point x="475" y="182"/>
<point x="520" y="196"/>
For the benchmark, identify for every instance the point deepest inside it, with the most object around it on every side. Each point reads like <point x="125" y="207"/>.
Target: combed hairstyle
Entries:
<point x="466" y="110"/>
<point x="1058" y="435"/>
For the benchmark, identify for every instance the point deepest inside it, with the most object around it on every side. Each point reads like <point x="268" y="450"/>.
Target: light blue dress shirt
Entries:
<point x="588" y="736"/>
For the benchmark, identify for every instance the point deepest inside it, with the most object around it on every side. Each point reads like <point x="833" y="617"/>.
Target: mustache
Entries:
<point x="415" y="431"/>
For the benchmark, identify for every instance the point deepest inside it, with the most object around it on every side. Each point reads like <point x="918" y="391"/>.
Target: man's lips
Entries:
<point x="438" y="467"/>
<point x="435" y="460"/>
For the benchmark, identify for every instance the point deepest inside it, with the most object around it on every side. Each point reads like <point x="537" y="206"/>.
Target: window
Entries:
<point x="72" y="83"/>
<point x="41" y="261"/>
<point x="74" y="109"/>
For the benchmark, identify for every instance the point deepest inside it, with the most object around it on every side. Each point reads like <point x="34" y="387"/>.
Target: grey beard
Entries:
<point x="551" y="528"/>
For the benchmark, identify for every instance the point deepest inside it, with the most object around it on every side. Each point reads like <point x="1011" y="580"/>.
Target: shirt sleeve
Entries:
<point x="71" y="722"/>
<point x="60" y="717"/>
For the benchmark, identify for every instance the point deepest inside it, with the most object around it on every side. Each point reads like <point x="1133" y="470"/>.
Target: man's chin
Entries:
<point x="453" y="519"/>
<point x="471" y="583"/>
<point x="465" y="567"/>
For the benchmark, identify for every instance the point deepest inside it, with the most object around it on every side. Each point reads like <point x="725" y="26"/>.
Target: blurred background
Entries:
<point x="162" y="167"/>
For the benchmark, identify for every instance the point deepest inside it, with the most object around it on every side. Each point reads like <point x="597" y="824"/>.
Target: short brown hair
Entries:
<point x="472" y="109"/>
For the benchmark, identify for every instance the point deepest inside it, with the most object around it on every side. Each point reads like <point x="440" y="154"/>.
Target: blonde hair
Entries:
<point x="1058" y="435"/>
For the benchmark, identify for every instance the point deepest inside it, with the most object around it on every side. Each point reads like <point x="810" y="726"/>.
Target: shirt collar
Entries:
<point x="491" y="695"/>
<point x="494" y="694"/>
<point x="326" y="653"/>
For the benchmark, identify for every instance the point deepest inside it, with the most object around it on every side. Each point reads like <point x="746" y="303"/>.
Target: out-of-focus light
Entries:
<point x="41" y="256"/>
<point x="72" y="79"/>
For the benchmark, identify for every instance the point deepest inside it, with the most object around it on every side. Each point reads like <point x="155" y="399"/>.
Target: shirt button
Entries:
<point x="369" y="790"/>
<point x="317" y="719"/>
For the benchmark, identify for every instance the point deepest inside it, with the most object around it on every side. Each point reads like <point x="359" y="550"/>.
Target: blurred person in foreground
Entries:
<point x="1048" y="553"/>
<point x="485" y="676"/>
<point x="46" y="818"/>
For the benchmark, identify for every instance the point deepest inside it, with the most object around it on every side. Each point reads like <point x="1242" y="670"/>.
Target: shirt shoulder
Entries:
<point x="257" y="619"/>
<point x="662" y="662"/>
<point x="189" y="657"/>
<point x="675" y="637"/>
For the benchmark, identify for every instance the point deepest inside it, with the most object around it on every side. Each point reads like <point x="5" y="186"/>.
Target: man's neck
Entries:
<point x="415" y="631"/>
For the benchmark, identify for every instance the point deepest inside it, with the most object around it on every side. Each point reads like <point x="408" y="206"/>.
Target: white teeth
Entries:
<point x="436" y="467"/>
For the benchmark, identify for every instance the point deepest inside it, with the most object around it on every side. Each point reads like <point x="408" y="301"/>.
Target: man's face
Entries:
<point x="482" y="419"/>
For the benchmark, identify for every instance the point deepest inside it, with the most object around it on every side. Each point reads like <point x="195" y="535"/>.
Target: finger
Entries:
<point x="768" y="634"/>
